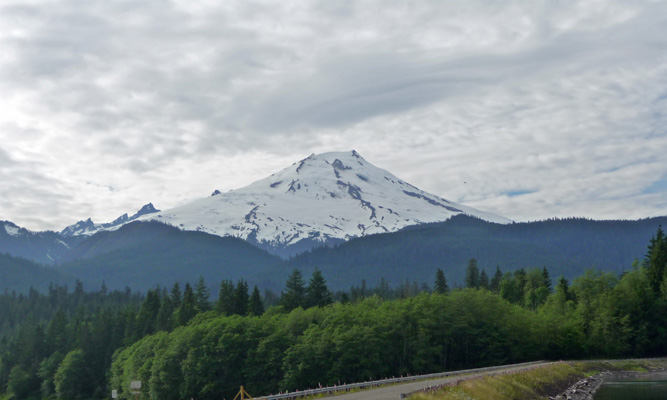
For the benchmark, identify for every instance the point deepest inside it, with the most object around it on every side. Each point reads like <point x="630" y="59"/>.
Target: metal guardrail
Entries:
<point x="388" y="381"/>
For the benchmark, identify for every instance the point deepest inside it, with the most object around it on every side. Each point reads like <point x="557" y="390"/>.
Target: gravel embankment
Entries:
<point x="585" y="388"/>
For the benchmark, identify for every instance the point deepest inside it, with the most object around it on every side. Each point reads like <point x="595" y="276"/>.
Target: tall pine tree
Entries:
<point x="255" y="306"/>
<point x="317" y="292"/>
<point x="295" y="292"/>
<point x="226" y="304"/>
<point x="494" y="285"/>
<point x="656" y="261"/>
<point x="241" y="298"/>
<point x="472" y="274"/>
<point x="188" y="308"/>
<point x="546" y="279"/>
<point x="202" y="295"/>
<point x="483" y="280"/>
<point x="441" y="282"/>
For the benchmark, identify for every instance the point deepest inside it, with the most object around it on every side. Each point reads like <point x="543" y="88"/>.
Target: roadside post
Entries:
<point x="243" y="395"/>
<point x="135" y="388"/>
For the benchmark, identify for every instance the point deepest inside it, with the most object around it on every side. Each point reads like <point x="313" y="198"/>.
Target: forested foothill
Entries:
<point x="566" y="246"/>
<point x="182" y="344"/>
<point x="141" y="255"/>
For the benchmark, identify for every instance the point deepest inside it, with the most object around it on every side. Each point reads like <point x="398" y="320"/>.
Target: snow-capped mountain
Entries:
<point x="88" y="227"/>
<point x="44" y="247"/>
<point x="322" y="199"/>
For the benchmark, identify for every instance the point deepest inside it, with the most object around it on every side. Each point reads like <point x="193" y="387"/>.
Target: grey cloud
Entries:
<point x="347" y="89"/>
<point x="136" y="87"/>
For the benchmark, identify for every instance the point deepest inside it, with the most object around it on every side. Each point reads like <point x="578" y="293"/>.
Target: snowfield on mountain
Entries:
<point x="336" y="195"/>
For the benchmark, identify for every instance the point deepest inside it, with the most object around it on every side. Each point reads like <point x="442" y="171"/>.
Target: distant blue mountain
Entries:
<point x="565" y="246"/>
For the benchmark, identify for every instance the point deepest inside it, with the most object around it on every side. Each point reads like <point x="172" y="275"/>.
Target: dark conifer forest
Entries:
<point x="181" y="342"/>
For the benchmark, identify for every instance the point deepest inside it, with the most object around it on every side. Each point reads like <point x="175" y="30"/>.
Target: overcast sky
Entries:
<point x="530" y="109"/>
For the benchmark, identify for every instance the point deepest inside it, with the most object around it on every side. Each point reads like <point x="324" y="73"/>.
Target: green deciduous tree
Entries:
<point x="71" y="378"/>
<point x="20" y="383"/>
<point x="47" y="371"/>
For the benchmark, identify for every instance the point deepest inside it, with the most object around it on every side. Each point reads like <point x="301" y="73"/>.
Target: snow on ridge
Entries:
<point x="12" y="230"/>
<point x="88" y="227"/>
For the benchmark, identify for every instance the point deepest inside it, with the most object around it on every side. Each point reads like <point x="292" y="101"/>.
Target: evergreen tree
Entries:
<point x="383" y="289"/>
<point x="226" y="304"/>
<point x="472" y="274"/>
<point x="147" y="316"/>
<point x="344" y="298"/>
<point x="295" y="292"/>
<point x="57" y="335"/>
<point x="546" y="279"/>
<point x="440" y="282"/>
<point x="563" y="287"/>
<point x="241" y="298"/>
<point x="164" y="321"/>
<point x="494" y="285"/>
<point x="562" y="295"/>
<point x="270" y="298"/>
<point x="176" y="296"/>
<point x="202" y="295"/>
<point x="317" y="293"/>
<point x="483" y="280"/>
<point x="425" y="288"/>
<point x="255" y="306"/>
<point x="521" y="280"/>
<point x="188" y="308"/>
<point x="656" y="261"/>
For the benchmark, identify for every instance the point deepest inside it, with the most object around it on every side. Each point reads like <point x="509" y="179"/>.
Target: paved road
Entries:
<point x="393" y="392"/>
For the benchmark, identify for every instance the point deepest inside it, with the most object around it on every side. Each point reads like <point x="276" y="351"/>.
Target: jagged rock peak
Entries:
<point x="79" y="228"/>
<point x="146" y="209"/>
<point x="88" y="227"/>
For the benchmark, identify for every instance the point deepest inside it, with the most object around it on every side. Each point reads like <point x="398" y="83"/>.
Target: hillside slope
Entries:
<point x="141" y="255"/>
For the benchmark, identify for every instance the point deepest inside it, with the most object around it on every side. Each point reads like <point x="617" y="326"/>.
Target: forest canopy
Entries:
<point x="180" y="344"/>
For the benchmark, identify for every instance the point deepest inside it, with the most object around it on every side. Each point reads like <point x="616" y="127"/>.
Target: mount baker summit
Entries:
<point x="322" y="199"/>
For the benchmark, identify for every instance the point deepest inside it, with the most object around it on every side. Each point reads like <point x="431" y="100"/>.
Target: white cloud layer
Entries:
<point x="530" y="109"/>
